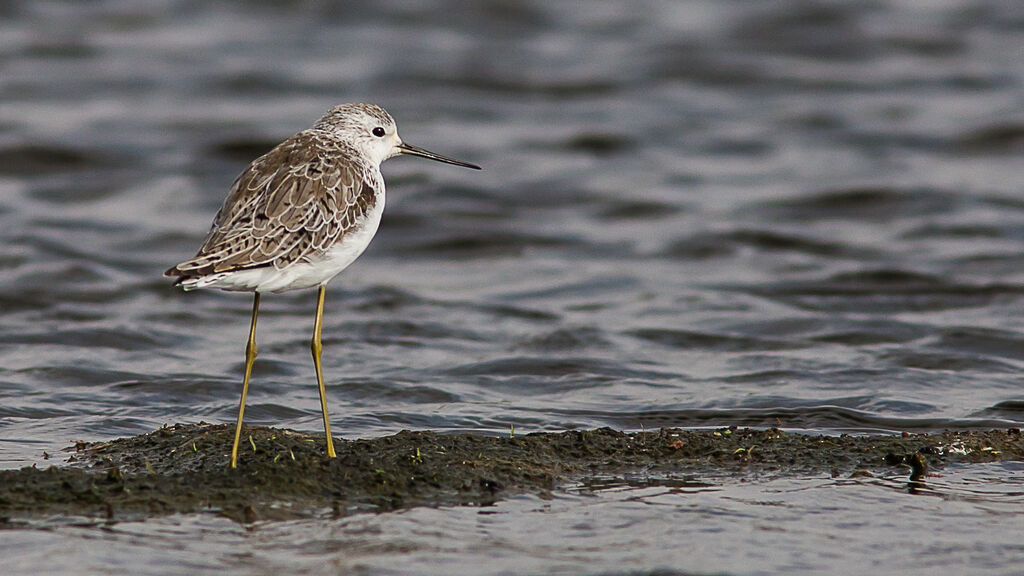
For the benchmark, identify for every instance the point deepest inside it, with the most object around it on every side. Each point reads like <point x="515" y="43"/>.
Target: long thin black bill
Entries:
<point x="417" y="151"/>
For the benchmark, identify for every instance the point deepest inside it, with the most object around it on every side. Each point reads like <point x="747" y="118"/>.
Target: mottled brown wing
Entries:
<point x="294" y="202"/>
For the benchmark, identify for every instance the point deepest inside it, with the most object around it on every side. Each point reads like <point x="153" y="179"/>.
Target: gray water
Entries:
<point x="793" y="213"/>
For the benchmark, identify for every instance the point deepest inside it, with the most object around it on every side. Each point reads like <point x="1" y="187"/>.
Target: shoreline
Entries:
<point x="284" y="474"/>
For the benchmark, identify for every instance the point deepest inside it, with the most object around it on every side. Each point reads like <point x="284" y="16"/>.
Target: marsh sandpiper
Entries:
<point x="299" y="215"/>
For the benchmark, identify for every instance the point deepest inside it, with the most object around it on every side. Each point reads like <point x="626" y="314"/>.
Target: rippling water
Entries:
<point x="795" y="213"/>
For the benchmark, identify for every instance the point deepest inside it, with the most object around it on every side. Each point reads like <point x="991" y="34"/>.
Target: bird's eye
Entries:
<point x="378" y="132"/>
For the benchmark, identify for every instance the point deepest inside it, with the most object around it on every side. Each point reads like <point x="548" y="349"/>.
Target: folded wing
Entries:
<point x="289" y="205"/>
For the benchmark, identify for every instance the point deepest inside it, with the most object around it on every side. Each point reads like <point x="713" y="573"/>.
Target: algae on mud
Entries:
<point x="281" y="473"/>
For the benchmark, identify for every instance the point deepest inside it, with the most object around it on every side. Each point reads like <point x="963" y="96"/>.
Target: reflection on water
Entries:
<point x="962" y="522"/>
<point x="797" y="213"/>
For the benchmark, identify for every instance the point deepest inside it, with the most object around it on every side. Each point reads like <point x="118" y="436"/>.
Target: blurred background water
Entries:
<point x="798" y="213"/>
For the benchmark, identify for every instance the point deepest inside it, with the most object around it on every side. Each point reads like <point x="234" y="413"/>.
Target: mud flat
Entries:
<point x="284" y="474"/>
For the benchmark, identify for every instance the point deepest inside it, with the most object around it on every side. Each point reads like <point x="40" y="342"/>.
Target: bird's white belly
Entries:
<point x="301" y="274"/>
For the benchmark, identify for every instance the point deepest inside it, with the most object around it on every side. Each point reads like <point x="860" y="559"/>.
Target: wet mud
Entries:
<point x="284" y="474"/>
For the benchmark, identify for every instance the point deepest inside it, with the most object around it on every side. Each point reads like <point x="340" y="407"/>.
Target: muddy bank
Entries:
<point x="281" y="473"/>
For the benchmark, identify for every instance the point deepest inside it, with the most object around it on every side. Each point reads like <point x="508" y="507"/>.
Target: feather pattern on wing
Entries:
<point x="290" y="205"/>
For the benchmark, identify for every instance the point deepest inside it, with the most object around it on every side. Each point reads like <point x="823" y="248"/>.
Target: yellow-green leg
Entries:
<point x="317" y="347"/>
<point x="250" y="357"/>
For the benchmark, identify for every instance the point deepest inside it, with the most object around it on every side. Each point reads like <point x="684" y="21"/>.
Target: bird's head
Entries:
<point x="371" y="130"/>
